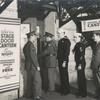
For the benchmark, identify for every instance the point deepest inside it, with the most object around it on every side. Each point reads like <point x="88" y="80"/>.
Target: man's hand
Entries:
<point x="79" y="67"/>
<point x="64" y="64"/>
<point x="38" y="68"/>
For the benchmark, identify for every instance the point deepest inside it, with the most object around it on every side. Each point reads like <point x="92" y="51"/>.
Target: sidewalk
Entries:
<point x="71" y="96"/>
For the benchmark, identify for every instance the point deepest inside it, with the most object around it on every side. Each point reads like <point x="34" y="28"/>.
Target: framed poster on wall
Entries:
<point x="9" y="54"/>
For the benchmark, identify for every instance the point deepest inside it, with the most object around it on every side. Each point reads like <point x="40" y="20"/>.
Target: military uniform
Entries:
<point x="79" y="51"/>
<point x="49" y="55"/>
<point x="95" y="65"/>
<point x="63" y="55"/>
<point x="31" y="64"/>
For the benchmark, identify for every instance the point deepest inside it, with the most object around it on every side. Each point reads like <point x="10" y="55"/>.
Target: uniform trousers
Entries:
<point x="44" y="74"/>
<point x="28" y="90"/>
<point x="96" y="83"/>
<point x="33" y="83"/>
<point x="51" y="78"/>
<point x="81" y="80"/>
<point x="64" y="78"/>
<point x="36" y="82"/>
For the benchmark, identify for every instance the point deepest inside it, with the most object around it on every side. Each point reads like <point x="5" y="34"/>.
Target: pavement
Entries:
<point x="71" y="96"/>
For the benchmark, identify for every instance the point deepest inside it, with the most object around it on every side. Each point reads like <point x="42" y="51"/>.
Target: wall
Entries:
<point x="51" y="24"/>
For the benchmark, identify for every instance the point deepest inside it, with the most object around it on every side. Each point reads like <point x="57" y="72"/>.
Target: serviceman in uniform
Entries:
<point x="32" y="66"/>
<point x="49" y="55"/>
<point x="63" y="59"/>
<point x="95" y="64"/>
<point x="79" y="54"/>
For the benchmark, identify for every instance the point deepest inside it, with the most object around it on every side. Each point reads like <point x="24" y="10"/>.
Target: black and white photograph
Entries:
<point x="49" y="49"/>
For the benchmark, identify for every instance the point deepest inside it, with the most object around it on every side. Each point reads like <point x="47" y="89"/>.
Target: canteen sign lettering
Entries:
<point x="90" y="25"/>
<point x="7" y="39"/>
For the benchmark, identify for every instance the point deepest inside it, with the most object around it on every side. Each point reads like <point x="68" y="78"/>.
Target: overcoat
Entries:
<point x="49" y="53"/>
<point x="31" y="64"/>
<point x="96" y="58"/>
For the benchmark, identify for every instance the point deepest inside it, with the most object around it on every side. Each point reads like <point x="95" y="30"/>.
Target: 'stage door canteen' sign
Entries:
<point x="90" y="25"/>
<point x="9" y="54"/>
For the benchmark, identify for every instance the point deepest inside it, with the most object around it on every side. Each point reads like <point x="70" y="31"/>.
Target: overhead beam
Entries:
<point x="50" y="7"/>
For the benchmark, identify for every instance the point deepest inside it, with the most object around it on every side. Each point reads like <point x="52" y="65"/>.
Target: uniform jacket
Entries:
<point x="79" y="51"/>
<point x="49" y="54"/>
<point x="30" y="56"/>
<point x="63" y="49"/>
<point x="96" y="58"/>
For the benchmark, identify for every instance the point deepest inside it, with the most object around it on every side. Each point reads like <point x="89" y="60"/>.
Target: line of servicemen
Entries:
<point x="51" y="55"/>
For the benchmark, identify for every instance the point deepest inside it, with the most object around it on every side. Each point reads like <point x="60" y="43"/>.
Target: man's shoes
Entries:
<point x="65" y="93"/>
<point x="28" y="96"/>
<point x="96" y="95"/>
<point x="36" y="99"/>
<point x="39" y="98"/>
<point x="80" y="96"/>
<point x="51" y="92"/>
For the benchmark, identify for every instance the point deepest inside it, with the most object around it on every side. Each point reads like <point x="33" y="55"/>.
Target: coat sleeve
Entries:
<point x="96" y="60"/>
<point x="58" y="51"/>
<point x="33" y="56"/>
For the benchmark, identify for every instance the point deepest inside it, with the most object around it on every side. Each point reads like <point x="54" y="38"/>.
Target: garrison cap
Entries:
<point x="48" y="34"/>
<point x="31" y="33"/>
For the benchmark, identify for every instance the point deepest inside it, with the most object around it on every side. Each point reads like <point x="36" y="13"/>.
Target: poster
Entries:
<point x="9" y="54"/>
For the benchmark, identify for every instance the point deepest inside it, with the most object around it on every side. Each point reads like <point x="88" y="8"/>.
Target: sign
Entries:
<point x="9" y="54"/>
<point x="90" y="25"/>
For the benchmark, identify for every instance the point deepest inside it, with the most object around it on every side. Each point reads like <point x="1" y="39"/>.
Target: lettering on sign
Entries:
<point x="90" y="25"/>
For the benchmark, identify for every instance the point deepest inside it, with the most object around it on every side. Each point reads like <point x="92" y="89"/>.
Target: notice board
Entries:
<point x="9" y="54"/>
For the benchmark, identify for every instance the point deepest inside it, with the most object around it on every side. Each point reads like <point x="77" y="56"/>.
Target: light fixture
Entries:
<point x="2" y="2"/>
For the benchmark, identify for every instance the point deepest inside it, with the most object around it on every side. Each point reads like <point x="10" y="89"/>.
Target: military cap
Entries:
<point x="31" y="33"/>
<point x="48" y="34"/>
<point x="77" y="34"/>
<point x="97" y="32"/>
